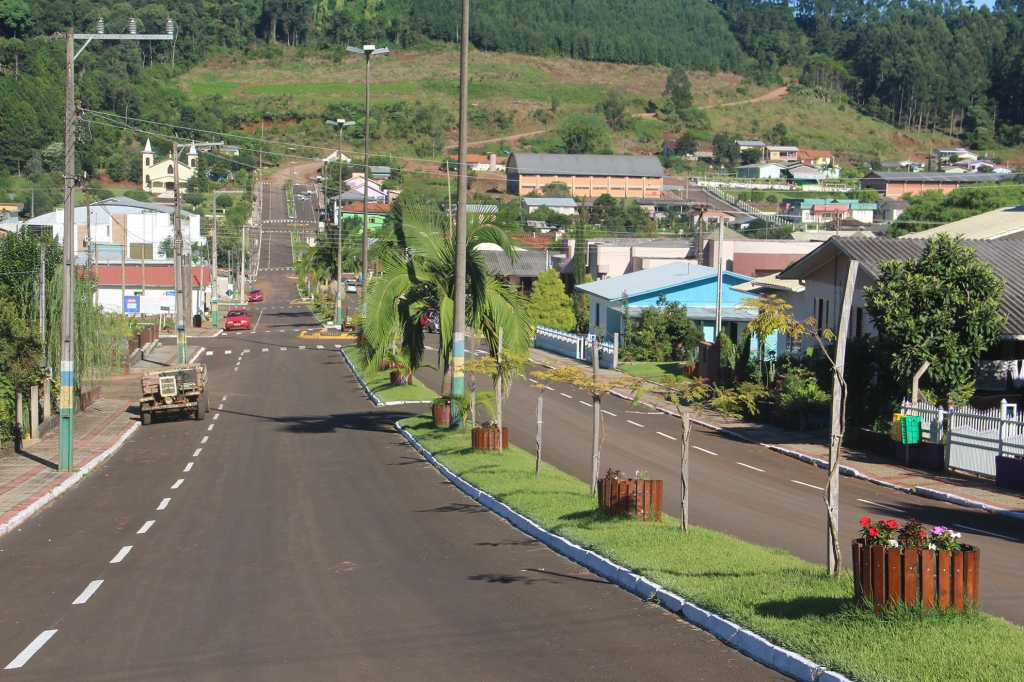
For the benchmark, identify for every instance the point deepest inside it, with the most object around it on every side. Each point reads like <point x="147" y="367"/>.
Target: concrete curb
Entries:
<point x="753" y="645"/>
<point x="377" y="402"/>
<point x="845" y="470"/>
<point x="73" y="480"/>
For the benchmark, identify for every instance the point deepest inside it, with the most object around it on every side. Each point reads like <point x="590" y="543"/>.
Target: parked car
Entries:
<point x="255" y="296"/>
<point x="237" y="319"/>
<point x="350" y="288"/>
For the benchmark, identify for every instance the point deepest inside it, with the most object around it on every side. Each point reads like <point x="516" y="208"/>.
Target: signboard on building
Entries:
<point x="132" y="305"/>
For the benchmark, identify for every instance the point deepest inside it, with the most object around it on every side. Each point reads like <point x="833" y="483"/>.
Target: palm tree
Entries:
<point x="417" y="272"/>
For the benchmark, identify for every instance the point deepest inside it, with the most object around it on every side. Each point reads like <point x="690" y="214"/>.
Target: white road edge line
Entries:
<point x="188" y="467"/>
<point x="121" y="555"/>
<point x="177" y="484"/>
<point x="666" y="435"/>
<point x="750" y="467"/>
<point x="146" y="526"/>
<point x="88" y="592"/>
<point x="883" y="506"/>
<point x="29" y="651"/>
<point x="163" y="504"/>
<point x="985" y="532"/>
<point x="816" y="487"/>
<point x="707" y="451"/>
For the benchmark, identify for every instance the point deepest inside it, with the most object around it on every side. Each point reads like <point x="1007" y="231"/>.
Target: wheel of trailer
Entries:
<point x="147" y="417"/>
<point x="200" y="409"/>
<point x="205" y="402"/>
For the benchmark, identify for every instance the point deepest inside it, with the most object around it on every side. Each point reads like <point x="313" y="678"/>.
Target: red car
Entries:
<point x="255" y="296"/>
<point x="237" y="319"/>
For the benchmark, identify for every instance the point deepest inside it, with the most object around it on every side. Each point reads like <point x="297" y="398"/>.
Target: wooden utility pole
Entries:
<point x="595" y="455"/>
<point x="835" y="555"/>
<point x="540" y="425"/>
<point x="42" y="327"/>
<point x="684" y="474"/>
<point x="179" y="284"/>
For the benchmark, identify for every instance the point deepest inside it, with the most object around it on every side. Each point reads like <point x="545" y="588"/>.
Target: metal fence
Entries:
<point x="575" y="346"/>
<point x="973" y="438"/>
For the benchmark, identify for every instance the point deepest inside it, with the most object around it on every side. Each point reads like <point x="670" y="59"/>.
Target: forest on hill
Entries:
<point x="916" y="64"/>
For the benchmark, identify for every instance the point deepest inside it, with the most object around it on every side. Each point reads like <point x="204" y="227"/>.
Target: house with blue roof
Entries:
<point x="684" y="282"/>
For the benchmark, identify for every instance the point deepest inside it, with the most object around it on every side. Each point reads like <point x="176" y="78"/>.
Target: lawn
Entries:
<point x="653" y="371"/>
<point x="380" y="382"/>
<point x="789" y="601"/>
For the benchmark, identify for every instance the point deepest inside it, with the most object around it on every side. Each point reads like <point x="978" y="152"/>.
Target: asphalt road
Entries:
<point x="745" y="490"/>
<point x="294" y="535"/>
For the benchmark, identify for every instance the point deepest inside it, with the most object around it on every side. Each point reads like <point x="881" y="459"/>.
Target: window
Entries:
<point x="170" y="169"/>
<point x="147" y="179"/>
<point x="147" y="161"/>
<point x="858" y="321"/>
<point x="821" y="311"/>
<point x="192" y="163"/>
<point x="139" y="251"/>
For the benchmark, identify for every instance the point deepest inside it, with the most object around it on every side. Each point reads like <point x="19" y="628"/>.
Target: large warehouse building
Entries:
<point x="587" y="175"/>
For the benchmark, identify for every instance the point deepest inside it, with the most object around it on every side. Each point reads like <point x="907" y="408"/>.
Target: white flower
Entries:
<point x="894" y="543"/>
<point x="956" y="535"/>
<point x="932" y="547"/>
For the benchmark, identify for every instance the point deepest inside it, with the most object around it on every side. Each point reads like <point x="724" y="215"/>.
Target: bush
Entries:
<point x="798" y="396"/>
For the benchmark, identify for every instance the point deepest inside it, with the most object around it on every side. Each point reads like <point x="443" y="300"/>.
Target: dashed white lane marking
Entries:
<point x="635" y="424"/>
<point x="224" y="398"/>
<point x="88" y="592"/>
<point x="221" y="406"/>
<point x="750" y="467"/>
<point x="567" y="396"/>
<point x="283" y="348"/>
<point x="531" y="380"/>
<point x="236" y="368"/>
<point x="29" y="651"/>
<point x="549" y="388"/>
<point x="985" y="532"/>
<point x="585" y="403"/>
<point x="209" y="352"/>
<point x="666" y="435"/>
<point x="816" y="487"/>
<point x="715" y="454"/>
<point x="210" y="428"/>
<point x="321" y="347"/>
<point x="188" y="467"/>
<point x="196" y="453"/>
<point x="205" y="438"/>
<point x="177" y="484"/>
<point x="302" y="348"/>
<point x="121" y="555"/>
<point x="227" y="352"/>
<point x="266" y="350"/>
<point x="429" y="347"/>
<point x="216" y="415"/>
<point x="883" y="506"/>
<point x="610" y="413"/>
<point x="146" y="526"/>
<point x="163" y="504"/>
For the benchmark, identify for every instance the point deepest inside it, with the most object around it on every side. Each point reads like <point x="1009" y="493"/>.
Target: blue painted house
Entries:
<point x="694" y="286"/>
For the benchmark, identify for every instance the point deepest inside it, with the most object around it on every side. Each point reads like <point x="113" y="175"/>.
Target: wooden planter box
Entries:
<point x="399" y="377"/>
<point x="1010" y="472"/>
<point x="640" y="499"/>
<point x="924" y="455"/>
<point x="486" y="438"/>
<point x="883" y="576"/>
<point x="442" y="415"/>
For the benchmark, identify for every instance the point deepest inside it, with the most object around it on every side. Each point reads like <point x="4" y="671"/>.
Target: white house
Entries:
<point x="158" y="174"/>
<point x="565" y="206"/>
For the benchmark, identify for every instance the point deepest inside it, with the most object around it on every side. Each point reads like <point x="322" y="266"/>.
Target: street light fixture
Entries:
<point x="369" y="51"/>
<point x="67" y="325"/>
<point x="338" y="297"/>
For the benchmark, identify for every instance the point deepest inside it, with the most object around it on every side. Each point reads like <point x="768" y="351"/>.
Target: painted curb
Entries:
<point x="753" y="645"/>
<point x="74" y="479"/>
<point x="370" y="394"/>
<point x="939" y="495"/>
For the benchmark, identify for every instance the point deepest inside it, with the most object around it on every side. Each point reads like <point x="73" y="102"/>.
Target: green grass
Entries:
<point x="652" y="371"/>
<point x="380" y="382"/>
<point x="789" y="601"/>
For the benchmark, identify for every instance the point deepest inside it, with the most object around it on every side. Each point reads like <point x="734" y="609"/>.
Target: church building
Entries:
<point x="158" y="174"/>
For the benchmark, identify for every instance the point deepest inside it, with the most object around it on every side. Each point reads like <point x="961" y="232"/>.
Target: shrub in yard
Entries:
<point x="798" y="396"/>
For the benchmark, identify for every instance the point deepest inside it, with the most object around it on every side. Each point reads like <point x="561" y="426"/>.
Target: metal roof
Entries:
<point x="101" y="210"/>
<point x="655" y="279"/>
<point x="937" y="177"/>
<point x="562" y="202"/>
<point x="527" y="263"/>
<point x="996" y="224"/>
<point x="1005" y="257"/>
<point x="585" y="164"/>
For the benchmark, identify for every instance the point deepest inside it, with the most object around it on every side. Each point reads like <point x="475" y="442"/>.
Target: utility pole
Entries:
<point x="369" y="51"/>
<point x="214" y="305"/>
<point x="179" y="245"/>
<point x="459" y="328"/>
<point x="340" y="295"/>
<point x="42" y="328"/>
<point x="718" y="296"/>
<point x="241" y="276"/>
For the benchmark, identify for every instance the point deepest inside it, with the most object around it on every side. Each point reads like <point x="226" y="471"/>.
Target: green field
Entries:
<point x="789" y="601"/>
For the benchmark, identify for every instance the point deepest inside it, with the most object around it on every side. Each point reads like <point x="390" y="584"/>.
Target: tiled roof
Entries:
<point x="372" y="207"/>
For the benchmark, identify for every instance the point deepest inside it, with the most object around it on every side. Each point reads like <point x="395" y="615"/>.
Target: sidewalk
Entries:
<point x="29" y="480"/>
<point x="812" y="447"/>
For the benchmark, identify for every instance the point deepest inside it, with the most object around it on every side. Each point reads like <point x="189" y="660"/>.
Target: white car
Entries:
<point x="350" y="288"/>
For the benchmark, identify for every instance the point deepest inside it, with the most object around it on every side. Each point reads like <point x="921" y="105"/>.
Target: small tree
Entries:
<point x="502" y="367"/>
<point x="677" y="89"/>
<point x="942" y="307"/>
<point x="549" y="305"/>
<point x="772" y="318"/>
<point x="585" y="134"/>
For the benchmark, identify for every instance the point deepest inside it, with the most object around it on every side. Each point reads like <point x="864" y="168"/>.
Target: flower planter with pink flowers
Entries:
<point x="913" y="566"/>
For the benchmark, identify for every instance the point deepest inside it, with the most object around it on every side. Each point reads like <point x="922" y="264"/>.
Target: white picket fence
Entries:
<point x="973" y="438"/>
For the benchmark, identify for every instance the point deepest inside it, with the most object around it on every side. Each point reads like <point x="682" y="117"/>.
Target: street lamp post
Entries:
<point x="339" y="296"/>
<point x="67" y="330"/>
<point x="369" y="51"/>
<point x="458" y="332"/>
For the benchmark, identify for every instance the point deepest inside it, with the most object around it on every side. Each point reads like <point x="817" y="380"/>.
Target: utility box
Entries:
<point x="897" y="429"/>
<point x="910" y="429"/>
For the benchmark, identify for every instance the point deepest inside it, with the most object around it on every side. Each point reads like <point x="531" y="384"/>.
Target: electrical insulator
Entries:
<point x="100" y="27"/>
<point x="133" y="26"/>
<point x="170" y="26"/>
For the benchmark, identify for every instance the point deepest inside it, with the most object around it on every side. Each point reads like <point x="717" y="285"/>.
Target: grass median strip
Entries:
<point x="788" y="601"/>
<point x="380" y="382"/>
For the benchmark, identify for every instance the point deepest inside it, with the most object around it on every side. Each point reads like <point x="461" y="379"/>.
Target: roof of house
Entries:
<point x="1001" y="222"/>
<point x="649" y="281"/>
<point x="782" y="148"/>
<point x="100" y="210"/>
<point x="586" y="164"/>
<point x="765" y="164"/>
<point x="936" y="177"/>
<point x="156" y="275"/>
<point x="565" y="202"/>
<point x="751" y="143"/>
<point x="372" y="207"/>
<point x="772" y="282"/>
<point x="526" y="263"/>
<point x="889" y="202"/>
<point x="1004" y="256"/>
<point x="813" y="154"/>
